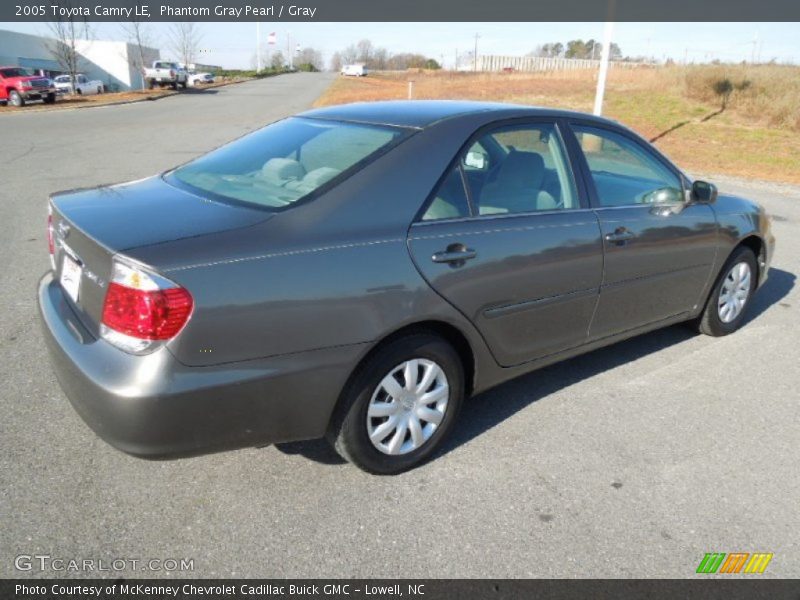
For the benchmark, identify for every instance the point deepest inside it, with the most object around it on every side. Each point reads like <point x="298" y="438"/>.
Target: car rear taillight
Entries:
<point x="51" y="244"/>
<point x="142" y="309"/>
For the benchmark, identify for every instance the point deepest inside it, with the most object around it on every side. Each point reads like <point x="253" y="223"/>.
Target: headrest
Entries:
<point x="281" y="170"/>
<point x="523" y="169"/>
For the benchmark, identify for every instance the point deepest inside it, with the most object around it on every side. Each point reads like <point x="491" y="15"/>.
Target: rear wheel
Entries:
<point x="728" y="302"/>
<point x="15" y="99"/>
<point x="400" y="405"/>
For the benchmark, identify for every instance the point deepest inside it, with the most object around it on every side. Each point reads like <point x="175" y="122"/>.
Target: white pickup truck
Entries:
<point x="82" y="86"/>
<point x="165" y="73"/>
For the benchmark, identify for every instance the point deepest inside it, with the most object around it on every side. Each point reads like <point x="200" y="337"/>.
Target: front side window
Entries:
<point x="520" y="169"/>
<point x="283" y="162"/>
<point x="625" y="173"/>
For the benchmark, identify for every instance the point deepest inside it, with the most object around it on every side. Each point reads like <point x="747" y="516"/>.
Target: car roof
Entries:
<point x="420" y="114"/>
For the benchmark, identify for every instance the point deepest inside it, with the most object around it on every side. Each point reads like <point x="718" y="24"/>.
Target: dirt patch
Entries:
<point x="753" y="137"/>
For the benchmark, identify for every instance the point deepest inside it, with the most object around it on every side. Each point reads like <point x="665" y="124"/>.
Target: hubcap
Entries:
<point x="407" y="406"/>
<point x="734" y="292"/>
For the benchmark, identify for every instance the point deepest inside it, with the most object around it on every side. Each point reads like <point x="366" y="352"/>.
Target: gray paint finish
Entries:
<point x="352" y="267"/>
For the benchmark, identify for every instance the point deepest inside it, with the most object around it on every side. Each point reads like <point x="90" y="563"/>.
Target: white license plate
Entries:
<point x="71" y="277"/>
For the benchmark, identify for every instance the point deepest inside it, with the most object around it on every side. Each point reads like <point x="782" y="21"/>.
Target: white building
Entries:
<point x="116" y="64"/>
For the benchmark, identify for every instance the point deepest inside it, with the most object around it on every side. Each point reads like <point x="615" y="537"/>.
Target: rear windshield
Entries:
<point x="283" y="162"/>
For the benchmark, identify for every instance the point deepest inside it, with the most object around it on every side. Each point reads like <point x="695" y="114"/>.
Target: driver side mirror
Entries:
<point x="702" y="191"/>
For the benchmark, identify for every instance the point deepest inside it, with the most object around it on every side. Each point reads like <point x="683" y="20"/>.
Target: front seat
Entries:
<point x="517" y="186"/>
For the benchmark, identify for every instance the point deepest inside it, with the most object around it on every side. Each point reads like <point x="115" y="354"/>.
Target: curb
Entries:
<point x="38" y="109"/>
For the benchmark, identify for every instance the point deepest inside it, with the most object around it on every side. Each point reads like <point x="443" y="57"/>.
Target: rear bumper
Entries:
<point x="154" y="406"/>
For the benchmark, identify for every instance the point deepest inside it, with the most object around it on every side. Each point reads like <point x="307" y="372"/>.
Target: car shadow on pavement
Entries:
<point x="195" y="91"/>
<point x="486" y="410"/>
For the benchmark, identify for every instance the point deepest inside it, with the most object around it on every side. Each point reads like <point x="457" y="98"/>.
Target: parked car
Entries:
<point x="196" y="79"/>
<point x="357" y="271"/>
<point x="354" y="70"/>
<point x="83" y="86"/>
<point x="18" y="85"/>
<point x="165" y="73"/>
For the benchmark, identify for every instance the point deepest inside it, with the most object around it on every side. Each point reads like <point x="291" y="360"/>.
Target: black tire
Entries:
<point x="152" y="84"/>
<point x="14" y="99"/>
<point x="710" y="322"/>
<point x="50" y="99"/>
<point x="183" y="85"/>
<point x="348" y="430"/>
<point x="174" y="85"/>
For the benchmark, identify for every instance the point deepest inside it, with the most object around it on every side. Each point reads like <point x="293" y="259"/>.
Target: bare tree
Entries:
<point x="336" y="62"/>
<point x="380" y="59"/>
<point x="349" y="55"/>
<point x="310" y="59"/>
<point x="185" y="41"/>
<point x="138" y="35"/>
<point x="65" y="32"/>
<point x="365" y="50"/>
<point x="277" y="61"/>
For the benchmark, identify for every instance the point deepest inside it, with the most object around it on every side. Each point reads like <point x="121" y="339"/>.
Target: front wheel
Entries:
<point x="728" y="301"/>
<point x="15" y="99"/>
<point x="400" y="405"/>
<point x="50" y="99"/>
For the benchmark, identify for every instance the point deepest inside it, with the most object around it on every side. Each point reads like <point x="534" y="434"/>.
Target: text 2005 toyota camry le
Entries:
<point x="355" y="272"/>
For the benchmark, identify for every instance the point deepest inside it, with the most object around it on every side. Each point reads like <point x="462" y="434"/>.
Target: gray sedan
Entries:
<point x="356" y="272"/>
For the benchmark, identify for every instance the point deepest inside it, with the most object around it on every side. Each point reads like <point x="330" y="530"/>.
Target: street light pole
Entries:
<point x="475" y="56"/>
<point x="258" y="47"/>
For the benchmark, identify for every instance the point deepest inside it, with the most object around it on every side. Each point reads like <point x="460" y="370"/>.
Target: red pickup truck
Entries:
<point x="18" y="85"/>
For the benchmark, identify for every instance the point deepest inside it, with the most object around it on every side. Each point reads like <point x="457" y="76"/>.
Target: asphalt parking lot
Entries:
<point x="632" y="461"/>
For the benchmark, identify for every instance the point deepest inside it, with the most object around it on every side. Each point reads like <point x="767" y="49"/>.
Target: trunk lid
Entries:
<point x="91" y="226"/>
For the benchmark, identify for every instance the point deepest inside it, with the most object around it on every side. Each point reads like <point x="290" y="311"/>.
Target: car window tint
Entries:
<point x="341" y="147"/>
<point x="625" y="173"/>
<point x="532" y="173"/>
<point x="450" y="198"/>
<point x="283" y="162"/>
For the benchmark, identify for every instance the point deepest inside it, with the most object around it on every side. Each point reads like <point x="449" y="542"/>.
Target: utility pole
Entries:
<point x="601" y="79"/>
<point x="258" y="47"/>
<point x="475" y="61"/>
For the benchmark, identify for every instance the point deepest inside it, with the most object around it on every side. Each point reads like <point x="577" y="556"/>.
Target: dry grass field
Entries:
<point x="757" y="135"/>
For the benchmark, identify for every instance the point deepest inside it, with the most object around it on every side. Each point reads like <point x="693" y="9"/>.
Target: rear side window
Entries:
<point x="450" y="198"/>
<point x="283" y="162"/>
<point x="528" y="173"/>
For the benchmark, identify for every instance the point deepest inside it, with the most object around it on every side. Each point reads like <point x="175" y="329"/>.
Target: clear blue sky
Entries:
<point x="232" y="45"/>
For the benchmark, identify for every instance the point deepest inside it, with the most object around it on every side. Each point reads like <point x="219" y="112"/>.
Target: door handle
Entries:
<point x="619" y="236"/>
<point x="456" y="255"/>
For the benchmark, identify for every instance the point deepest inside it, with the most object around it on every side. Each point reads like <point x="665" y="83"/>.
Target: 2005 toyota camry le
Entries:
<point x="355" y="272"/>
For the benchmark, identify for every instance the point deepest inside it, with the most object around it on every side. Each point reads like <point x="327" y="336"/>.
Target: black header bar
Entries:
<point x="401" y="10"/>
